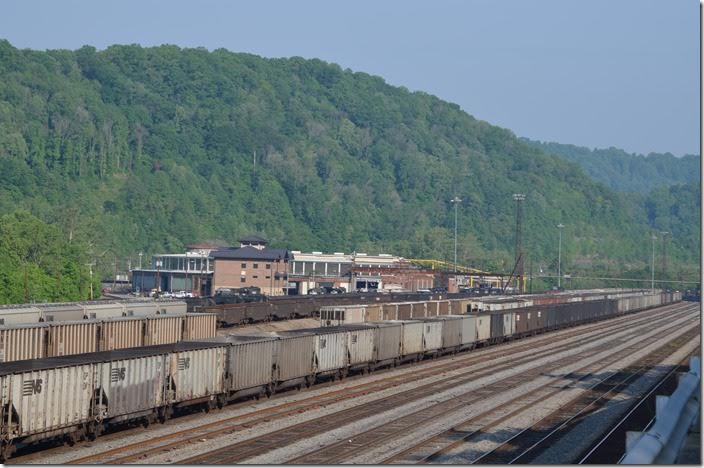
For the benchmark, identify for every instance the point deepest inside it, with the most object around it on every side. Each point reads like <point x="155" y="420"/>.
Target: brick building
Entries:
<point x="357" y="271"/>
<point x="252" y="264"/>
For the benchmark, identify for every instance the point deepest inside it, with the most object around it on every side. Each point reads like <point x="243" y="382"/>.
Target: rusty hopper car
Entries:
<point x="451" y="332"/>
<point x="77" y="395"/>
<point x="432" y="337"/>
<point x="389" y="340"/>
<point x="468" y="331"/>
<point x="196" y="373"/>
<point x="197" y="326"/>
<point x="251" y="361"/>
<point x="14" y="315"/>
<point x="131" y="385"/>
<point x="19" y="342"/>
<point x="162" y="329"/>
<point x="103" y="311"/>
<point x="361" y="346"/>
<point x="120" y="333"/>
<point x="62" y="312"/>
<point x="74" y="337"/>
<point x="331" y="358"/>
<point x="411" y="339"/>
<point x="295" y="359"/>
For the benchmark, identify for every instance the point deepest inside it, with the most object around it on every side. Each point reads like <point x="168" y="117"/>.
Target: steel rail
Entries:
<point x="641" y="401"/>
<point x="338" y="452"/>
<point x="243" y="450"/>
<point x="559" y="426"/>
<point x="465" y="436"/>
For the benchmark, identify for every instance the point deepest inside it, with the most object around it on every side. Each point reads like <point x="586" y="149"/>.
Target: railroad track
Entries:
<point x="247" y="449"/>
<point x="344" y="450"/>
<point x="140" y="450"/>
<point x="438" y="447"/>
<point x="530" y="443"/>
<point x="610" y="448"/>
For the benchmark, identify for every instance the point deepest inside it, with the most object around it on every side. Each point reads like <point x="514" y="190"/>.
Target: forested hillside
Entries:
<point x="148" y="149"/>
<point x="626" y="172"/>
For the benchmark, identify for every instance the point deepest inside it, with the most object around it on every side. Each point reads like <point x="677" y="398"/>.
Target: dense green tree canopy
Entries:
<point x="148" y="149"/>
<point x="38" y="263"/>
<point x="626" y="172"/>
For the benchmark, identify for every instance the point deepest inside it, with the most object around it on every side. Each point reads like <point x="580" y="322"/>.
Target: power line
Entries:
<point x="519" y="197"/>
<point x="621" y="279"/>
<point x="456" y="200"/>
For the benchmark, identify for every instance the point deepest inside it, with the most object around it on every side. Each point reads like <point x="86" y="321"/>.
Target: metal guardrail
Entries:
<point x="674" y="416"/>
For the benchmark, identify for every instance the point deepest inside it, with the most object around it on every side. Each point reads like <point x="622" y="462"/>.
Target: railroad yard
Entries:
<point x="548" y="398"/>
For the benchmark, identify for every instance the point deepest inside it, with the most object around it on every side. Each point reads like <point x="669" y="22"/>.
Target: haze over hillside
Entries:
<point x="148" y="149"/>
<point x="628" y="172"/>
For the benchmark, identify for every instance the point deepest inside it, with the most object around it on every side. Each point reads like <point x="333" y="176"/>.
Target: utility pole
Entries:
<point x="559" y="255"/>
<point x="456" y="201"/>
<point x="26" y="284"/>
<point x="158" y="277"/>
<point x="664" y="253"/>
<point x="90" y="266"/>
<point x="114" y="276"/>
<point x="519" y="198"/>
<point x="652" y="265"/>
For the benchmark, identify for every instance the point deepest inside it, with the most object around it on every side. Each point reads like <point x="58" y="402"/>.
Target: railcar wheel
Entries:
<point x="270" y="390"/>
<point x="164" y="413"/>
<point x="6" y="451"/>
<point x="310" y="380"/>
<point x="94" y="430"/>
<point x="221" y="400"/>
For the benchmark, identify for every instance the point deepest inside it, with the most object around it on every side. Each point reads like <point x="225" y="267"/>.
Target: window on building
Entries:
<point x="268" y="277"/>
<point x="255" y="266"/>
<point x="242" y="279"/>
<point x="244" y="265"/>
<point x="268" y="266"/>
<point x="255" y="277"/>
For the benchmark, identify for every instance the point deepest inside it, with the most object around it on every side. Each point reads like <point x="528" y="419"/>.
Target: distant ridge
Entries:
<point x="627" y="172"/>
<point x="151" y="149"/>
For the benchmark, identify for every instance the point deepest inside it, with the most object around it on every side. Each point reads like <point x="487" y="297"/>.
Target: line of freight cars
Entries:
<point x="50" y="339"/>
<point x="289" y="307"/>
<point x="70" y="311"/>
<point x="75" y="397"/>
<point x="299" y="307"/>
<point x="348" y="314"/>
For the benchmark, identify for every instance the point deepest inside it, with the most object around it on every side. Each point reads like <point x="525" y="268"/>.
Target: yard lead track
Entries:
<point x="244" y="421"/>
<point x="341" y="451"/>
<point x="428" y="452"/>
<point x="610" y="448"/>
<point x="244" y="450"/>
<point x="546" y="432"/>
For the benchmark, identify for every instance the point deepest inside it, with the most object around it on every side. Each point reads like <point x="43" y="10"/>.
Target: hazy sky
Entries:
<point x="595" y="73"/>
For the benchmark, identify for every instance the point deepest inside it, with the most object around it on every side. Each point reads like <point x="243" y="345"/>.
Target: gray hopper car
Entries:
<point x="147" y="383"/>
<point x="50" y="339"/>
<point x="72" y="311"/>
